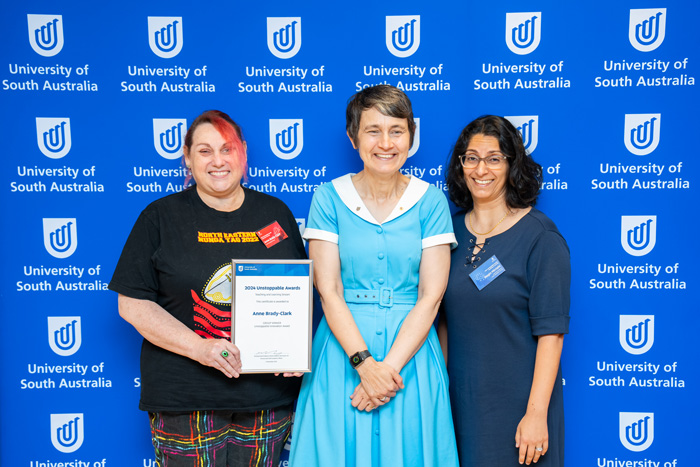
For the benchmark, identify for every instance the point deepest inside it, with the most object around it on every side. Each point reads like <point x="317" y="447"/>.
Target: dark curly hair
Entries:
<point x="524" y="174"/>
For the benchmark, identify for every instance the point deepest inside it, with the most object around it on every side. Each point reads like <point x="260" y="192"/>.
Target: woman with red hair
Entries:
<point x="174" y="285"/>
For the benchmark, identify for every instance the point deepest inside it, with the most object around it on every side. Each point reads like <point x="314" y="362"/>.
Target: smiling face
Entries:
<point x="215" y="164"/>
<point x="383" y="142"/>
<point x="484" y="184"/>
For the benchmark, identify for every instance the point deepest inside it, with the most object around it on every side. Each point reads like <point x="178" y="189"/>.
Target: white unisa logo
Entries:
<point x="67" y="431"/>
<point x="636" y="430"/>
<point x="165" y="35"/>
<point x="642" y="133"/>
<point x="45" y="34"/>
<point x="638" y="234"/>
<point x="60" y="237"/>
<point x="169" y="136"/>
<point x="402" y="35"/>
<point x="284" y="36"/>
<point x="65" y="334"/>
<point x="523" y="32"/>
<point x="53" y="136"/>
<point x="528" y="126"/>
<point x="636" y="333"/>
<point x="647" y="28"/>
<point x="286" y="137"/>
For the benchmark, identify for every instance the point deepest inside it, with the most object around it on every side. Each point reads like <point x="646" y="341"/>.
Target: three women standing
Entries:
<point x="380" y="241"/>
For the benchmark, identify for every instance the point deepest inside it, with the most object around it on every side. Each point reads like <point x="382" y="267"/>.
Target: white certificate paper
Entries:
<point x="271" y="314"/>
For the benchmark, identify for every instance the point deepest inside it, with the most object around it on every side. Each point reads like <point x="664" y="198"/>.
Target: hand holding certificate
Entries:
<point x="271" y="314"/>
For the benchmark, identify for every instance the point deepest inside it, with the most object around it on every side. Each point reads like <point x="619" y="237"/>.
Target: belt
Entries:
<point x="384" y="296"/>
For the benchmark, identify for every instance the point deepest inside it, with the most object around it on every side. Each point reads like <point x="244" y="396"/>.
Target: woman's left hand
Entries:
<point x="532" y="437"/>
<point x="362" y="402"/>
<point x="296" y="374"/>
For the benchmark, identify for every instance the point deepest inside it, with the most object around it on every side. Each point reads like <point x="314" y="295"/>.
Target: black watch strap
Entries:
<point x="359" y="357"/>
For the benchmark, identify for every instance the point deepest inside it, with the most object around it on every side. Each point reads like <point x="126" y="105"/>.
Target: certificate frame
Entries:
<point x="272" y="314"/>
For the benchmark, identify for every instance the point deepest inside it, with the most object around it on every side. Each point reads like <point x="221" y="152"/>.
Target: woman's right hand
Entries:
<point x="162" y="329"/>
<point x="210" y="352"/>
<point x="379" y="380"/>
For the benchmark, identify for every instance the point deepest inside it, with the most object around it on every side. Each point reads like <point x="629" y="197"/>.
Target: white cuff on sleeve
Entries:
<point x="316" y="234"/>
<point x="441" y="239"/>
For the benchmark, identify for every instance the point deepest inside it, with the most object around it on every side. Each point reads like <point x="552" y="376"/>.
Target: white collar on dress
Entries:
<point x="351" y="198"/>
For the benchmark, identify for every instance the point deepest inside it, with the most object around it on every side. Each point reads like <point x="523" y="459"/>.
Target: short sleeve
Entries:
<point x="135" y="275"/>
<point x="436" y="222"/>
<point x="549" y="277"/>
<point x="322" y="223"/>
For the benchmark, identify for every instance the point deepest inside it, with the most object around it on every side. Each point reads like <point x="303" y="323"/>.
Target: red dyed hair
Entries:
<point x="228" y="129"/>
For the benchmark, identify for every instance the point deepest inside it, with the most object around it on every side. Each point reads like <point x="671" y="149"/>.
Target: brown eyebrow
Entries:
<point x="490" y="153"/>
<point x="376" y="126"/>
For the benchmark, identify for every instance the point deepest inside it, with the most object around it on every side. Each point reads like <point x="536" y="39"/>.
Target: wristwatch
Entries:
<point x="359" y="357"/>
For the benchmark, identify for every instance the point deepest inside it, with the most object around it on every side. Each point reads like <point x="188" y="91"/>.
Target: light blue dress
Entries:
<point x="379" y="269"/>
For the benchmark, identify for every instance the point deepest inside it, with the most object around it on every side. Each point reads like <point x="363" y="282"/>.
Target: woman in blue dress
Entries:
<point x="506" y="305"/>
<point x="378" y="394"/>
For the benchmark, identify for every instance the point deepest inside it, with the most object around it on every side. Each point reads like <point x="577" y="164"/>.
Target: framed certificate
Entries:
<point x="271" y="314"/>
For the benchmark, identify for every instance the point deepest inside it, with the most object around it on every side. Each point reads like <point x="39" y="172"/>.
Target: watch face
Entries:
<point x="356" y="360"/>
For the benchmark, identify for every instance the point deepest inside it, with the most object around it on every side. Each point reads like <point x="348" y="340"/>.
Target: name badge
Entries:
<point x="272" y="234"/>
<point x="487" y="272"/>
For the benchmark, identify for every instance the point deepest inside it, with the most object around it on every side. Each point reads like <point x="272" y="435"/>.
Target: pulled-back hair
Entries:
<point x="524" y="174"/>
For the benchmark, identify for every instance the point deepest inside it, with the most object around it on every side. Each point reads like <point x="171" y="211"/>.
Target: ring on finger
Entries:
<point x="224" y="353"/>
<point x="370" y="407"/>
<point x="383" y="399"/>
<point x="539" y="449"/>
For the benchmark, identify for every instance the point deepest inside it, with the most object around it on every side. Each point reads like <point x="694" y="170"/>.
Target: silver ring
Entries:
<point x="539" y="449"/>
<point x="383" y="399"/>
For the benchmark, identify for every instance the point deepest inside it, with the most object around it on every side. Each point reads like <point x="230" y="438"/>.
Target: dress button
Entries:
<point x="380" y="256"/>
<point x="379" y="230"/>
<point x="376" y="432"/>
<point x="379" y="358"/>
<point x="381" y="280"/>
<point x="379" y="333"/>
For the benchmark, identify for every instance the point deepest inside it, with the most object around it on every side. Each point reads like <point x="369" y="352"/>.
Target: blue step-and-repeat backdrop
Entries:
<point x="96" y="98"/>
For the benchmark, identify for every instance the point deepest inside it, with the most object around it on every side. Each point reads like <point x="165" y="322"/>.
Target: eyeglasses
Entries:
<point x="471" y="161"/>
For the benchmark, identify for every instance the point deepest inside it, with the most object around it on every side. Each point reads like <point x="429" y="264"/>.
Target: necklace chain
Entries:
<point x="485" y="233"/>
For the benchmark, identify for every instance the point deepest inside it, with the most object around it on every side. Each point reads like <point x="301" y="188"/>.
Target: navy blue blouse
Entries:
<point x="492" y="337"/>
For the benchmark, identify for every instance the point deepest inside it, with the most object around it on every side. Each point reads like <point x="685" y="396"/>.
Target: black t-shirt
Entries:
<point x="179" y="255"/>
